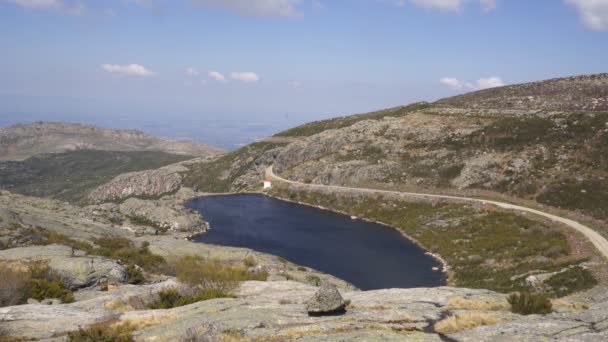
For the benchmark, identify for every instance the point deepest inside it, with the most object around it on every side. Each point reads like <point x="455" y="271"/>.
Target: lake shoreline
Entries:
<point x="442" y="268"/>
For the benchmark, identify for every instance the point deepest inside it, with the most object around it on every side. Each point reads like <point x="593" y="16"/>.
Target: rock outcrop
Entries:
<point x="150" y="183"/>
<point x="75" y="268"/>
<point x="326" y="301"/>
<point x="276" y="310"/>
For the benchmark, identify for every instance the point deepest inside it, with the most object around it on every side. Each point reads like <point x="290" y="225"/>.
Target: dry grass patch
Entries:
<point x="465" y="321"/>
<point x="487" y="304"/>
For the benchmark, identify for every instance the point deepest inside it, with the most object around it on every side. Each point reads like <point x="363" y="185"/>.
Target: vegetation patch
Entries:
<point x="530" y="303"/>
<point x="211" y="274"/>
<point x="485" y="249"/>
<point x="316" y="127"/>
<point x="590" y="196"/>
<point x="32" y="280"/>
<point x="135" y="257"/>
<point x="465" y="321"/>
<point x="172" y="298"/>
<point x="104" y="332"/>
<point x="71" y="176"/>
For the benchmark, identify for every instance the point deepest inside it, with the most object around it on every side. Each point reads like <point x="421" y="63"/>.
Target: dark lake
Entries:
<point x="368" y="255"/>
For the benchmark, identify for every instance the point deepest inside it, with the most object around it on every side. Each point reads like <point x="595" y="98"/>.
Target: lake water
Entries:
<point x="368" y="255"/>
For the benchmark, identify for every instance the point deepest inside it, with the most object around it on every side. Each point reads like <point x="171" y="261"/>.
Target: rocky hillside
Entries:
<point x="20" y="142"/>
<point x="70" y="176"/>
<point x="544" y="141"/>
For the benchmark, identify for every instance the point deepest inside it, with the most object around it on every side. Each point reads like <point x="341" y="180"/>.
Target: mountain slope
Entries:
<point x="70" y="176"/>
<point x="552" y="148"/>
<point x="20" y="142"/>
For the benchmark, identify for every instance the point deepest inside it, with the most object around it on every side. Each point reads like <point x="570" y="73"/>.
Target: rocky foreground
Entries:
<point x="276" y="311"/>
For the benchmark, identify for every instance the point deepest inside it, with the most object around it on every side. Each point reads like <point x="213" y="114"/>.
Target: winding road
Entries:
<point x="598" y="241"/>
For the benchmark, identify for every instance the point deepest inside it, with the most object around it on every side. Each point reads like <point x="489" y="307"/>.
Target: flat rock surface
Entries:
<point x="277" y="310"/>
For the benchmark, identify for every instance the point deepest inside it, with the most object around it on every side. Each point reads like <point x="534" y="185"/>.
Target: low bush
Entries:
<point x="41" y="289"/>
<point x="529" y="303"/>
<point x="465" y="321"/>
<point x="125" y="250"/>
<point x="172" y="298"/>
<point x="12" y="285"/>
<point x="103" y="332"/>
<point x="212" y="274"/>
<point x="34" y="280"/>
<point x="135" y="275"/>
<point x="313" y="280"/>
<point x="250" y="261"/>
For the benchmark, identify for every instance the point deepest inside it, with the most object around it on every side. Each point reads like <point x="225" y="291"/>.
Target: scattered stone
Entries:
<point x="326" y="301"/>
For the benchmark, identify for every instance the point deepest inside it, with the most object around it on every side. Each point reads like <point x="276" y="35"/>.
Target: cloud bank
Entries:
<point x="480" y="84"/>
<point x="216" y="75"/>
<point x="247" y="77"/>
<point x="55" y="5"/>
<point x="448" y="5"/>
<point x="262" y="8"/>
<point x="593" y="13"/>
<point x="127" y="69"/>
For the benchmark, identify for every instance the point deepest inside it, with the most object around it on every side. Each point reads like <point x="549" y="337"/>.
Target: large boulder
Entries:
<point x="76" y="269"/>
<point x="326" y="301"/>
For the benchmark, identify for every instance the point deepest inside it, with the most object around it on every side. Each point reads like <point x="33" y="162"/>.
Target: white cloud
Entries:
<point x="265" y="8"/>
<point x="56" y="5"/>
<point x="593" y="13"/>
<point x="490" y="82"/>
<point x="448" y="5"/>
<point x="248" y="77"/>
<point x="129" y="69"/>
<point x="442" y="5"/>
<point x="451" y="82"/>
<point x="482" y="83"/>
<point x="218" y="76"/>
<point x="192" y="72"/>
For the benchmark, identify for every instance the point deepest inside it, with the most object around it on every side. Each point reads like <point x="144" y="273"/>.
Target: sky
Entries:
<point x="231" y="71"/>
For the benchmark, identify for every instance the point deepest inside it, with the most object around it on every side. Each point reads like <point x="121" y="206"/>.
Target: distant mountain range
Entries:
<point x="19" y="142"/>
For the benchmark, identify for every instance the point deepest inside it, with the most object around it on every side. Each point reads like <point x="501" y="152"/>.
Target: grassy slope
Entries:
<point x="315" y="127"/>
<point x="70" y="176"/>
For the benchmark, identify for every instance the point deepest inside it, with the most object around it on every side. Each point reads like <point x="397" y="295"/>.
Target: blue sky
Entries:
<point x="278" y="62"/>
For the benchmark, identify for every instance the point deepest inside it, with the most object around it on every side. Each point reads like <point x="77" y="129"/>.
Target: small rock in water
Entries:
<point x="327" y="301"/>
<point x="435" y="268"/>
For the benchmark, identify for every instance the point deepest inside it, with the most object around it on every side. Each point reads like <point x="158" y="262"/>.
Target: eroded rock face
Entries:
<point x="326" y="301"/>
<point x="76" y="271"/>
<point x="150" y="183"/>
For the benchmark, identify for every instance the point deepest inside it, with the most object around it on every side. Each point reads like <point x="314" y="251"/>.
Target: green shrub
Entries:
<point x="250" y="261"/>
<point x="104" y="332"/>
<point x="212" y="274"/>
<point x="135" y="274"/>
<point x="313" y="280"/>
<point x="12" y="285"/>
<point x="41" y="289"/>
<point x="125" y="250"/>
<point x="172" y="298"/>
<point x="36" y="281"/>
<point x="529" y="303"/>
